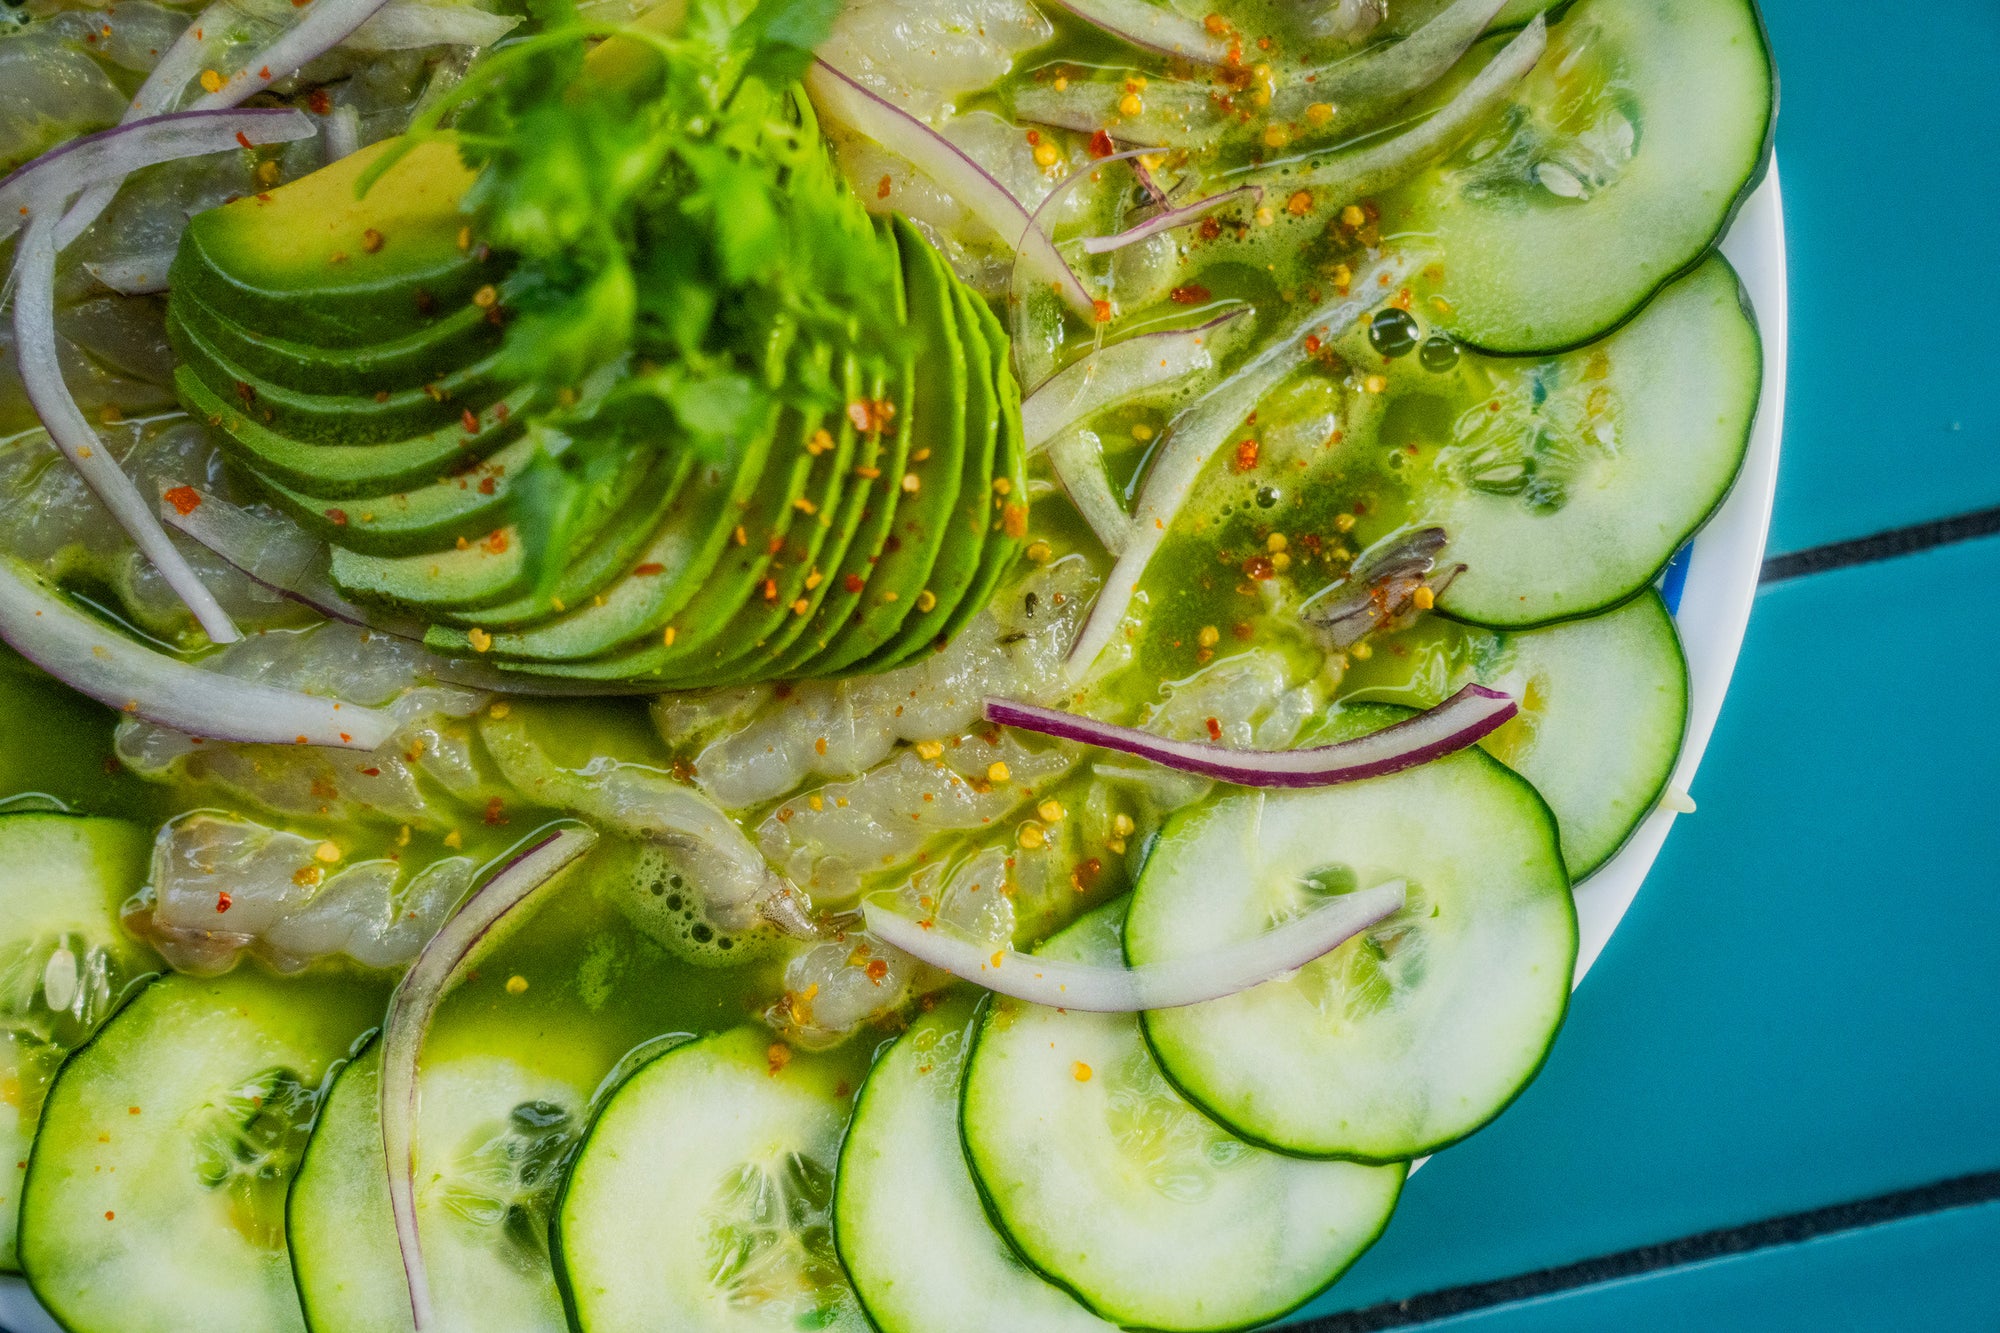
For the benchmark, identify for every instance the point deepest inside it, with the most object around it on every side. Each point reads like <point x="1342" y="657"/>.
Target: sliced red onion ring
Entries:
<point x="410" y="1010"/>
<point x="162" y="88"/>
<point x="324" y="25"/>
<point x="1119" y="373"/>
<point x="1151" y="28"/>
<point x="845" y="102"/>
<point x="343" y="133"/>
<point x="1172" y="218"/>
<point x="1388" y="72"/>
<point x="41" y="376"/>
<point x="1077" y="456"/>
<point x="1061" y="984"/>
<point x="1376" y="166"/>
<point x="46" y="183"/>
<point x="1461" y="720"/>
<point x="94" y="659"/>
<point x="1195" y="435"/>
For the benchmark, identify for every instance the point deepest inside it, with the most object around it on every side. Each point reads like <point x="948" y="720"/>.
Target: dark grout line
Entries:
<point x="1959" y="1192"/>
<point x="1882" y="546"/>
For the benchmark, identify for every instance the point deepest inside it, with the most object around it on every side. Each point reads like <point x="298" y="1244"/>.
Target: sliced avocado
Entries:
<point x="951" y="575"/>
<point x="673" y="566"/>
<point x="485" y="571"/>
<point x="1007" y="512"/>
<point x="469" y="504"/>
<point x="341" y="419"/>
<point x="336" y="470"/>
<point x="816" y="539"/>
<point x="422" y="357"/>
<point x="935" y="423"/>
<point x="320" y="263"/>
<point x="613" y="551"/>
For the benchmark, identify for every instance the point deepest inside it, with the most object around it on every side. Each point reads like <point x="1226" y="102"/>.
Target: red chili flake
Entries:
<point x="500" y="411"/>
<point x="184" y="499"/>
<point x="469" y="421"/>
<point x="249" y="395"/>
<point x="882" y="187"/>
<point x="495" y="541"/>
<point x="854" y="583"/>
<point x="223" y="902"/>
<point x="1246" y="455"/>
<point x="487" y="485"/>
<point x="426" y="303"/>
<point x="1101" y="309"/>
<point x="1214" y="729"/>
<point x="243" y="140"/>
<point x="1101" y="146"/>
<point x="877" y="969"/>
<point x="1192" y="294"/>
<point x="770" y="590"/>
<point x="264" y="73"/>
<point x="371" y="772"/>
<point x="1085" y="874"/>
<point x="650" y="568"/>
<point x="338" y="517"/>
<point x="1259" y="567"/>
<point x="1313" y="344"/>
<point x="1241" y="630"/>
<point x="1210" y="229"/>
<point x="496" y="812"/>
<point x="318" y="102"/>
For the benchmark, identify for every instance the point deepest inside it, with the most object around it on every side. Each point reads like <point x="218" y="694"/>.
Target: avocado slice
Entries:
<point x="935" y="422"/>
<point x="596" y="565"/>
<point x="677" y="560"/>
<point x="816" y="535"/>
<point x="485" y="571"/>
<point x="326" y="265"/>
<point x="421" y="357"/>
<point x="1007" y="511"/>
<point x="341" y="419"/>
<point x="336" y="470"/>
<point x="469" y="504"/>
<point x="958" y="556"/>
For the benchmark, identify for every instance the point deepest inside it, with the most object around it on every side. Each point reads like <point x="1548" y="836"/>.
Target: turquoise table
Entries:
<point x="1776" y="1105"/>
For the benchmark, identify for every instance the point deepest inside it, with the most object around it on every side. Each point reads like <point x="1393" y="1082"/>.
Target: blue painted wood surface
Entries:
<point x="1932" y="1274"/>
<point x="1889" y="142"/>
<point x="1799" y="1009"/>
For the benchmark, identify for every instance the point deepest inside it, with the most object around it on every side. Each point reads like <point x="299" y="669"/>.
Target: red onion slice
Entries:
<point x="41" y="376"/>
<point x="843" y="101"/>
<point x="1461" y="720"/>
<point x="1060" y="984"/>
<point x="142" y="273"/>
<point x="94" y="659"/>
<point x="1077" y="455"/>
<point x="410" y="1011"/>
<point x="1152" y="28"/>
<point x="324" y="25"/>
<point x="1195" y="435"/>
<point x="1376" y="166"/>
<point x="1117" y="374"/>
<point x="47" y="182"/>
<point x="1167" y="221"/>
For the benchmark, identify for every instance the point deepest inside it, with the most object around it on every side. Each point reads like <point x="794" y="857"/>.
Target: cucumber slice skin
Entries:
<point x="1260" y="1065"/>
<point x="903" y="1175"/>
<point x="62" y="879"/>
<point x="1505" y="333"/>
<point x="342" y="1234"/>
<point x="1172" y="1278"/>
<point x="179" y="1047"/>
<point x="603" y="1234"/>
<point x="1512" y="581"/>
<point x="1605" y="703"/>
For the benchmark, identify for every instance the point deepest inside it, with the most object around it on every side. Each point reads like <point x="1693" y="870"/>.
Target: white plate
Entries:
<point x="1721" y="568"/>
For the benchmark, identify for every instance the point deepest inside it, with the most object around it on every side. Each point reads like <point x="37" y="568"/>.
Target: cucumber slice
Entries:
<point x="156" y="1189"/>
<point x="1418" y="1031"/>
<point x="1111" y="1184"/>
<point x="492" y="1136"/>
<point x="1621" y="159"/>
<point x="1602" y="462"/>
<point x="1603" y="710"/>
<point x="64" y="963"/>
<point x="699" y="1199"/>
<point x="903" y="1175"/>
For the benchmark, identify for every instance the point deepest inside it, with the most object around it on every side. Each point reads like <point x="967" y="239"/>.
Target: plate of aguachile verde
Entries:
<point x="836" y="664"/>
